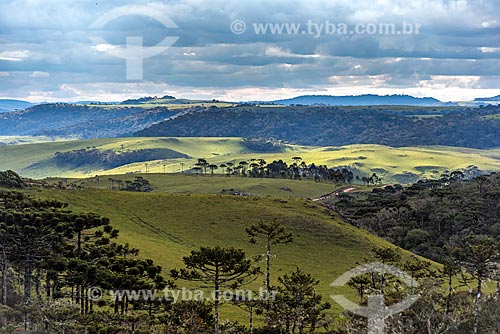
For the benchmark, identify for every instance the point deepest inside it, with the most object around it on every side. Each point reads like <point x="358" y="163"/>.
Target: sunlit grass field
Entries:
<point x="34" y="160"/>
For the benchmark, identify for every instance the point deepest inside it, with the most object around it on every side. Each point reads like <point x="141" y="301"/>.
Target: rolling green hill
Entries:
<point x="166" y="227"/>
<point x="200" y="184"/>
<point x="404" y="164"/>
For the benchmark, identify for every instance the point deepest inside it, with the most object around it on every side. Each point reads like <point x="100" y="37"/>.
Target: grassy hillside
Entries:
<point x="166" y="227"/>
<point x="393" y="164"/>
<point x="217" y="184"/>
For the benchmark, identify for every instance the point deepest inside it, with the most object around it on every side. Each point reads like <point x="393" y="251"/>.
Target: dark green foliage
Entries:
<point x="218" y="267"/>
<point x="298" y="307"/>
<point x="10" y="179"/>
<point x="263" y="145"/>
<point x="271" y="234"/>
<point x="188" y="317"/>
<point x="147" y="99"/>
<point x="228" y="267"/>
<point x="424" y="217"/>
<point x="94" y="158"/>
<point x="297" y="170"/>
<point x="70" y="120"/>
<point x="327" y="126"/>
<point x="139" y="184"/>
<point x="42" y="241"/>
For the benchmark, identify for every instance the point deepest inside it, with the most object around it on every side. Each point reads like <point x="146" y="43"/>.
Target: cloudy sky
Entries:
<point x="65" y="50"/>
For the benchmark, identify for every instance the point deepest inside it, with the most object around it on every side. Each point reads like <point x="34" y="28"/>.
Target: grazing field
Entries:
<point x="403" y="165"/>
<point x="207" y="184"/>
<point x="166" y="227"/>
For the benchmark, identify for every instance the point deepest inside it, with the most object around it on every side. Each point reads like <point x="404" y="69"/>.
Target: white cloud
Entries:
<point x="485" y="49"/>
<point x="104" y="47"/>
<point x="14" y="55"/>
<point x="489" y="24"/>
<point x="39" y="74"/>
<point x="274" y="51"/>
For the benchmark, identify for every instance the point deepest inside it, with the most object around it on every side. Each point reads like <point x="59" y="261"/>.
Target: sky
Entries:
<point x="64" y="50"/>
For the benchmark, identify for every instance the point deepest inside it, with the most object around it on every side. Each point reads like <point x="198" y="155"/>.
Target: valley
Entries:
<point x="394" y="165"/>
<point x="168" y="177"/>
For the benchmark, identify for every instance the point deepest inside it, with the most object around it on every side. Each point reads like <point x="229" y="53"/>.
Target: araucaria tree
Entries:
<point x="219" y="268"/>
<point x="298" y="306"/>
<point x="478" y="254"/>
<point x="273" y="234"/>
<point x="42" y="244"/>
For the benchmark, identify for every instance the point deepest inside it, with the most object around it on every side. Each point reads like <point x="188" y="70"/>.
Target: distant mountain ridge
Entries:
<point x="7" y="105"/>
<point x="488" y="99"/>
<point x="362" y="100"/>
<point x="71" y="120"/>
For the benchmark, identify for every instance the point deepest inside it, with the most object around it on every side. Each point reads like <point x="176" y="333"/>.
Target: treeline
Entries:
<point x="10" y="179"/>
<point x="337" y="126"/>
<point x="298" y="170"/>
<point x="107" y="159"/>
<point x="451" y="220"/>
<point x="147" y="99"/>
<point x="428" y="217"/>
<point x="264" y="145"/>
<point x="49" y="253"/>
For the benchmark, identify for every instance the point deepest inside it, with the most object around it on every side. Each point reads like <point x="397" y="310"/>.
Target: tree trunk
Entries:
<point x="82" y="300"/>
<point x="251" y="320"/>
<point x="79" y="298"/>
<point x="268" y="281"/>
<point x="79" y="245"/>
<point x="86" y="301"/>
<point x="38" y="286"/>
<point x="123" y="305"/>
<point x="27" y="292"/>
<point x="5" y="269"/>
<point x="116" y="304"/>
<point x="48" y="287"/>
<point x="448" y="298"/>
<point x="476" y="304"/>
<point x="216" y="301"/>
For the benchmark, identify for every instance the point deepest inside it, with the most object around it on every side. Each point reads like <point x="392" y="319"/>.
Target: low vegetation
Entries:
<point x="92" y="158"/>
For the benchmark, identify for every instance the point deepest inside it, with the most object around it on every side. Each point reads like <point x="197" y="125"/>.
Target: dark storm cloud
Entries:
<point x="45" y="48"/>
